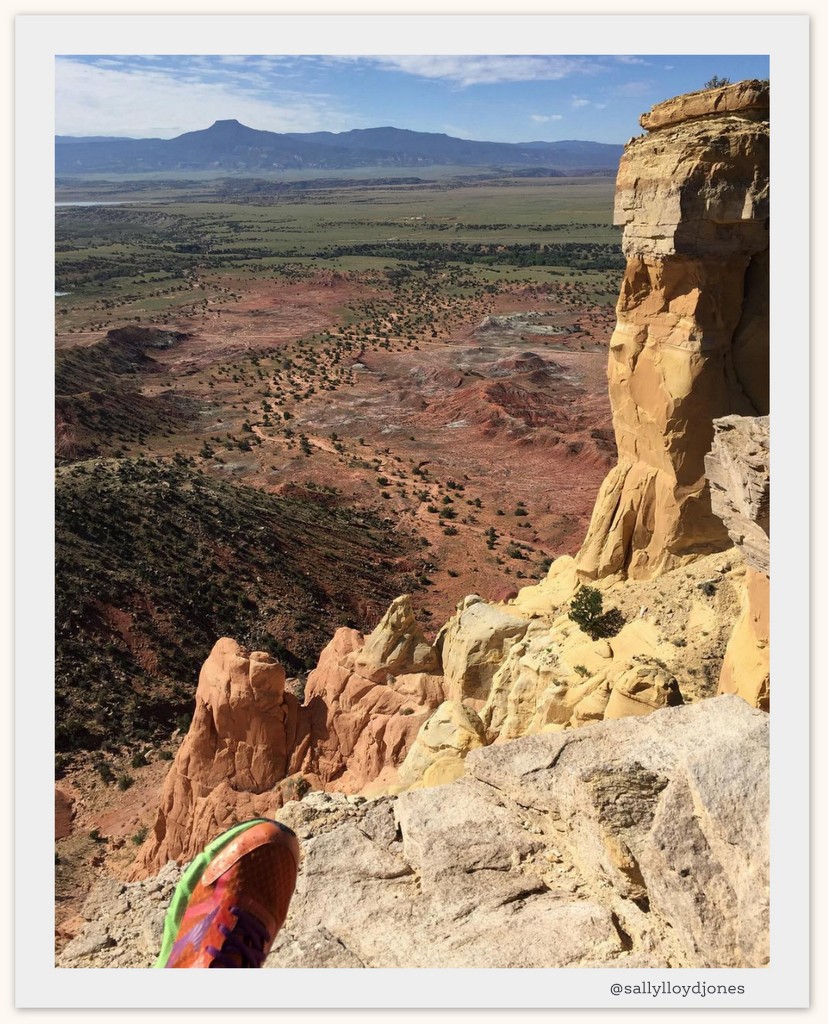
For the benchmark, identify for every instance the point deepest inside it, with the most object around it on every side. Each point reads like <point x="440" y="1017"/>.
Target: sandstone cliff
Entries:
<point x="691" y="343"/>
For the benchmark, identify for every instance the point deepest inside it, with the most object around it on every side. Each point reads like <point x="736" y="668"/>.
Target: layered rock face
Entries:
<point x="624" y="844"/>
<point x="691" y="342"/>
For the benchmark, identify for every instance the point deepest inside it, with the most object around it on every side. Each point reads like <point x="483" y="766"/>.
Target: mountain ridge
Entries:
<point x="230" y="145"/>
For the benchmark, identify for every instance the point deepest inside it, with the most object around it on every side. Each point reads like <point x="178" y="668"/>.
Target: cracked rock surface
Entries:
<point x="641" y="842"/>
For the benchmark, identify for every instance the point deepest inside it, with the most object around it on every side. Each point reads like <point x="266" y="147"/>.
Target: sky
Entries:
<point x="491" y="97"/>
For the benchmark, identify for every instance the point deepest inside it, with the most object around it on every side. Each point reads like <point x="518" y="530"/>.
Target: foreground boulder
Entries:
<point x="641" y="842"/>
<point x="668" y="813"/>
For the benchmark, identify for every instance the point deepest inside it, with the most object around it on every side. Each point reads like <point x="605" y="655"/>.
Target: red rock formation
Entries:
<point x="235" y="753"/>
<point x="691" y="342"/>
<point x="365" y="702"/>
<point x="251" y="747"/>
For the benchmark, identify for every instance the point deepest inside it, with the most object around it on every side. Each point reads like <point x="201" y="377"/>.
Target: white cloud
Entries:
<point x="543" y="118"/>
<point x="487" y="69"/>
<point x="146" y="102"/>
<point x="579" y="101"/>
<point x="631" y="60"/>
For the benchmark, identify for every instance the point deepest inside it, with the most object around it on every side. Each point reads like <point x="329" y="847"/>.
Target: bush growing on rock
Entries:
<point x="587" y="611"/>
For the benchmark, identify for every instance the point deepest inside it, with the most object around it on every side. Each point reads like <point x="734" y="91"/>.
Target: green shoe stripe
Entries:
<point x="188" y="882"/>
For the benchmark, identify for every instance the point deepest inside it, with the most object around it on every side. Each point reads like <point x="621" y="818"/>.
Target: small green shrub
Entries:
<point x="140" y="835"/>
<point x="586" y="610"/>
<point x="105" y="772"/>
<point x="125" y="781"/>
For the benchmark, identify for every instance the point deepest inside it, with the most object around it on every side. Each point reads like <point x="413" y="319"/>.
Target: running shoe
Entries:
<point x="232" y="899"/>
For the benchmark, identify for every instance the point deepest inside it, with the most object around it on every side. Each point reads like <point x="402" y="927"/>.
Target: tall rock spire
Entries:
<point x="691" y="341"/>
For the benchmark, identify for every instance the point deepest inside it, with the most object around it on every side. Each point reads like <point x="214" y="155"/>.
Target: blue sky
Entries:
<point x="488" y="97"/>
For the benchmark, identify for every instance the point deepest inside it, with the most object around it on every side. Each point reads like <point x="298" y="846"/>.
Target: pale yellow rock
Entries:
<point x="451" y="731"/>
<point x="591" y="708"/>
<point x="559" y="705"/>
<point x="639" y="637"/>
<point x="746" y="667"/>
<point x="641" y="689"/>
<point x="473" y="643"/>
<point x="444" y="770"/>
<point x="555" y="590"/>
<point x="422" y="687"/>
<point x="528" y="670"/>
<point x="396" y="647"/>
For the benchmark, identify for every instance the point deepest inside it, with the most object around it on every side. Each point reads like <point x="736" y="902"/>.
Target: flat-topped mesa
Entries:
<point x="691" y="340"/>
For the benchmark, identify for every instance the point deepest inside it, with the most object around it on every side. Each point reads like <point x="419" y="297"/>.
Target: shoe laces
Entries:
<point x="244" y="943"/>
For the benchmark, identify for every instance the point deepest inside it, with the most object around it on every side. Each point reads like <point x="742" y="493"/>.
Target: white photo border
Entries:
<point x="40" y="38"/>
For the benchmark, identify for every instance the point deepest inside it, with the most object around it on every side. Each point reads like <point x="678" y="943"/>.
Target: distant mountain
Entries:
<point x="61" y="139"/>
<point x="232" y="146"/>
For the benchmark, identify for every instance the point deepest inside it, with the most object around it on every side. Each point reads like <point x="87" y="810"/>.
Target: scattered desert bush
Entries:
<point x="586" y="610"/>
